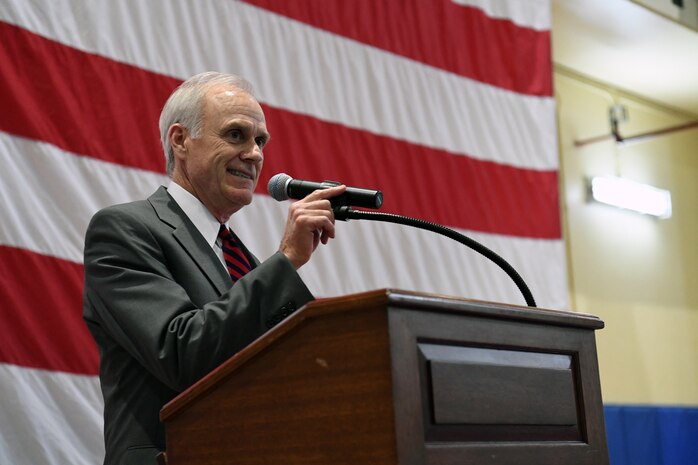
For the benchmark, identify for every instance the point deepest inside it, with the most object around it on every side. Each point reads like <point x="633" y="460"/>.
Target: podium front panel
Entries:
<point x="479" y="389"/>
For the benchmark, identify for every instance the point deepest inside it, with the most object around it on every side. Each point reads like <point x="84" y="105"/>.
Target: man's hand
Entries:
<point x="310" y="221"/>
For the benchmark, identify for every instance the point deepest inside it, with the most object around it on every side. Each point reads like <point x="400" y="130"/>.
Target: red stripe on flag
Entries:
<point x="439" y="33"/>
<point x="419" y="181"/>
<point x="41" y="323"/>
<point x="80" y="102"/>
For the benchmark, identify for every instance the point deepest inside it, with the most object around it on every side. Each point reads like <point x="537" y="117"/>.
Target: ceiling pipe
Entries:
<point x="618" y="114"/>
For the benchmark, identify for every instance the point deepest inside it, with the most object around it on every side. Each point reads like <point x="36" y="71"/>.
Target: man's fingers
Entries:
<point x="326" y="193"/>
<point x="310" y="222"/>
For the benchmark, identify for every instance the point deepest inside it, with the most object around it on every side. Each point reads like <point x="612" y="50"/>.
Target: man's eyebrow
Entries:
<point x="237" y="123"/>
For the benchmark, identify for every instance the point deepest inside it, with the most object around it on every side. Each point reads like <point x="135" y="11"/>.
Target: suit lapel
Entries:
<point x="186" y="234"/>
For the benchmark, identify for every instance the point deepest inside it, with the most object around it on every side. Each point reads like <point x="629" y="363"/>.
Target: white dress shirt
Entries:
<point x="197" y="212"/>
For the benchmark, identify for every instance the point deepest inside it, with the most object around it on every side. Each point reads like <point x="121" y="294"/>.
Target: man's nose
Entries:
<point x="252" y="153"/>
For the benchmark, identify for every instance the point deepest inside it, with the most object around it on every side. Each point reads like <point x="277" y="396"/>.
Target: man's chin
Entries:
<point x="241" y="197"/>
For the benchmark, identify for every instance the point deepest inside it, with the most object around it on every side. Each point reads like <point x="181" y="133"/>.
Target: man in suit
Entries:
<point x="159" y="296"/>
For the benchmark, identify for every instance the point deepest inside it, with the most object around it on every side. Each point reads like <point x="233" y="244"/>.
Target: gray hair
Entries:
<point x="185" y="106"/>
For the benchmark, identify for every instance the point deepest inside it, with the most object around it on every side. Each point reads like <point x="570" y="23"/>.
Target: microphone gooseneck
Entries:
<point x="346" y="213"/>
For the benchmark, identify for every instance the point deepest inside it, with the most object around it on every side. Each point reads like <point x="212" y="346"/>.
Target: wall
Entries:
<point x="639" y="274"/>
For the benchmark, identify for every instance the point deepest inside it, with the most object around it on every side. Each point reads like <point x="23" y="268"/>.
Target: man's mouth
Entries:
<point x="240" y="174"/>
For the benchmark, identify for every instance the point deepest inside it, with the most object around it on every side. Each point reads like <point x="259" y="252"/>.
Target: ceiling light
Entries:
<point x="631" y="195"/>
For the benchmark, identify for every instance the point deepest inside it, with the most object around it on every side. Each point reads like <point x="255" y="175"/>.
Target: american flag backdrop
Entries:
<point x="444" y="105"/>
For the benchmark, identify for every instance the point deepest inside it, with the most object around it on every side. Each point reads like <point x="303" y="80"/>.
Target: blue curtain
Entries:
<point x="646" y="435"/>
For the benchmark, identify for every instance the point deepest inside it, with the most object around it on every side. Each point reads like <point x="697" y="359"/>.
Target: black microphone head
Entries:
<point x="277" y="186"/>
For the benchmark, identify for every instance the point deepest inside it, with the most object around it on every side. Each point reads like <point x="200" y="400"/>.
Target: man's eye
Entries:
<point x="260" y="141"/>
<point x="236" y="134"/>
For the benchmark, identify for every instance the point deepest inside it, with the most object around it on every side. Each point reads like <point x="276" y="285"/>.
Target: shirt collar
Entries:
<point x="204" y="221"/>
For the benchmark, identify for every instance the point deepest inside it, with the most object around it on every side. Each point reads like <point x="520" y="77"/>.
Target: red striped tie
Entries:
<point x="235" y="260"/>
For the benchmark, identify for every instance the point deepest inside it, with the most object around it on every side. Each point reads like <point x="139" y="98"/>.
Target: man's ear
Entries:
<point x="178" y="136"/>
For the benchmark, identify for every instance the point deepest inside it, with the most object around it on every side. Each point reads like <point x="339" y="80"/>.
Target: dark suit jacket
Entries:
<point x="161" y="308"/>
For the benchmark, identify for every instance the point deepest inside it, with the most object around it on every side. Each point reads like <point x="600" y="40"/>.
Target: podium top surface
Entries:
<point x="444" y="303"/>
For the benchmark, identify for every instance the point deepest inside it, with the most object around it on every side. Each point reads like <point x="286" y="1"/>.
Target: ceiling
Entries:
<point x="630" y="47"/>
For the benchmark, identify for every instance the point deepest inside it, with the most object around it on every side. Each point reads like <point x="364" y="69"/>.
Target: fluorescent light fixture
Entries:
<point x="631" y="195"/>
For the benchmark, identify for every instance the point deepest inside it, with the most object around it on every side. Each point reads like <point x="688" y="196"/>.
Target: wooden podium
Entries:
<point x="393" y="377"/>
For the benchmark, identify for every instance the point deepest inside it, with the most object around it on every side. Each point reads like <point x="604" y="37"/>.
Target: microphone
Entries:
<point x="283" y="187"/>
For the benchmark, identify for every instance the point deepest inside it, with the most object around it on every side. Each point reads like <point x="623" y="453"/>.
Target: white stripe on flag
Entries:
<point x="50" y="195"/>
<point x="535" y="14"/>
<point x="368" y="255"/>
<point x="49" y="418"/>
<point x="361" y="86"/>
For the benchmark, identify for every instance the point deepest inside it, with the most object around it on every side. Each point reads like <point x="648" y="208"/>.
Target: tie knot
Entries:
<point x="224" y="233"/>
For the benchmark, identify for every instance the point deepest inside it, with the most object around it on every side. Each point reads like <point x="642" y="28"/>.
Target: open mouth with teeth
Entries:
<point x="240" y="174"/>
